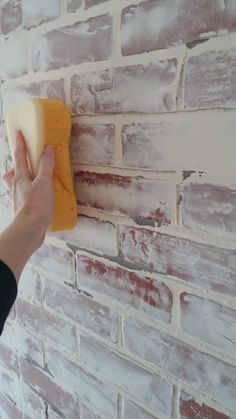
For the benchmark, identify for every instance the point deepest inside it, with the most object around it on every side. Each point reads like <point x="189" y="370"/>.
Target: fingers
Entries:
<point x="47" y="163"/>
<point x="20" y="157"/>
<point x="8" y="178"/>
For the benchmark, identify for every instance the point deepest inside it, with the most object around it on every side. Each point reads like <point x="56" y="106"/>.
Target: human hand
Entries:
<point x="34" y="196"/>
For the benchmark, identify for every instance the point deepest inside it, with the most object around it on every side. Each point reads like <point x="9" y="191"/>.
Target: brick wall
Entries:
<point x="132" y="315"/>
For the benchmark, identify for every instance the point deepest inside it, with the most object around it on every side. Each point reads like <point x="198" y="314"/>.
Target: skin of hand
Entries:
<point x="33" y="202"/>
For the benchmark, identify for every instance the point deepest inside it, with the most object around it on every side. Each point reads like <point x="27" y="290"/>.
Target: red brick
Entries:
<point x="190" y="409"/>
<point x="131" y="289"/>
<point x="82" y="236"/>
<point x="73" y="5"/>
<point x="169" y="23"/>
<point x="210" y="80"/>
<point x="53" y="89"/>
<point x="55" y="261"/>
<point x="202" y="371"/>
<point x="10" y="15"/>
<point x="46" y="386"/>
<point x="174" y="142"/>
<point x="46" y="325"/>
<point x="9" y="408"/>
<point x="210" y="208"/>
<point x="139" y="198"/>
<point x="92" y="143"/>
<point x="36" y="12"/>
<point x="139" y="88"/>
<point x="147" y="387"/>
<point x="50" y="51"/>
<point x="34" y="405"/>
<point x="13" y="58"/>
<point x="93" y="391"/>
<point x="203" y="265"/>
<point x="82" y="309"/>
<point x="131" y="410"/>
<point x="207" y="320"/>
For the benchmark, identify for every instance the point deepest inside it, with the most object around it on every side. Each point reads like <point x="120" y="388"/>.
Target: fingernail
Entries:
<point x="49" y="150"/>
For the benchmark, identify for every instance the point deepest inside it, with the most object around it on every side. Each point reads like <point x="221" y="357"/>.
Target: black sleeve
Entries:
<point x="8" y="292"/>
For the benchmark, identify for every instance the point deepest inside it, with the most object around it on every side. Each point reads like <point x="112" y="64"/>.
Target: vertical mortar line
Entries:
<point x="175" y="402"/>
<point x="179" y="199"/>
<point x="118" y="144"/>
<point x="120" y="406"/>
<point x="29" y="53"/>
<point x="116" y="33"/>
<point x="175" y="310"/>
<point x="63" y="7"/>
<point x="67" y="81"/>
<point x="180" y="84"/>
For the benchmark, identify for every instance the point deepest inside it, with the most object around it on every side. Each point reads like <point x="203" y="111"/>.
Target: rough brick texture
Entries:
<point x="131" y="314"/>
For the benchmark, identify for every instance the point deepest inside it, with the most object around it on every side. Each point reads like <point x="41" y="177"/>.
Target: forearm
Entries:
<point x="19" y="240"/>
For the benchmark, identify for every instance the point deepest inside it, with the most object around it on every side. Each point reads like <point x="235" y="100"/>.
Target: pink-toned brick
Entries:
<point x="82" y="236"/>
<point x="53" y="89"/>
<point x="203" y="265"/>
<point x="10" y="16"/>
<point x="50" y="51"/>
<point x="84" y="310"/>
<point x="190" y="409"/>
<point x="93" y="391"/>
<point x="148" y="387"/>
<point x="51" y="391"/>
<point x="55" y="261"/>
<point x="131" y="289"/>
<point x="200" y="370"/>
<point x="73" y="5"/>
<point x="13" y="58"/>
<point x="92" y="143"/>
<point x="142" y="199"/>
<point x="210" y="208"/>
<point x="131" y="410"/>
<point x="138" y="88"/>
<point x="33" y="404"/>
<point x="41" y="323"/>
<point x="210" y="80"/>
<point x="206" y="320"/>
<point x="169" y="23"/>
<point x="36" y="12"/>
<point x="8" y="409"/>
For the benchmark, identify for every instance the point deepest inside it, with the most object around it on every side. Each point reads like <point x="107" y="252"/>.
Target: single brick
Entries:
<point x="73" y="5"/>
<point x="157" y="145"/>
<point x="147" y="387"/>
<point x="33" y="404"/>
<point x="10" y="16"/>
<point x="91" y="389"/>
<point x="207" y="320"/>
<point x="35" y="12"/>
<point x="43" y="324"/>
<point x="84" y="310"/>
<point x="210" y="80"/>
<point x="138" y="88"/>
<point x="210" y="208"/>
<point x="53" y="89"/>
<point x="13" y="58"/>
<point x="169" y="23"/>
<point x="131" y="289"/>
<point x="50" y="51"/>
<point x="139" y="198"/>
<point x="42" y="382"/>
<point x="131" y="410"/>
<point x="57" y="261"/>
<point x="8" y="409"/>
<point x="190" y="409"/>
<point x="92" y="143"/>
<point x="201" y="371"/>
<point x="203" y="265"/>
<point x="82" y="236"/>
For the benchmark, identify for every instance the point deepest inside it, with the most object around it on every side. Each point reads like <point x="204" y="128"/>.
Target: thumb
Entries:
<point x="47" y="162"/>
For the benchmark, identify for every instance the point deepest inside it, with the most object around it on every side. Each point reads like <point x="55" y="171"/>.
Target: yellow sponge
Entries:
<point x="42" y="122"/>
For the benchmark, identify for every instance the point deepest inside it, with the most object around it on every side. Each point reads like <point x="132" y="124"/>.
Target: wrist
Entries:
<point x="34" y="227"/>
